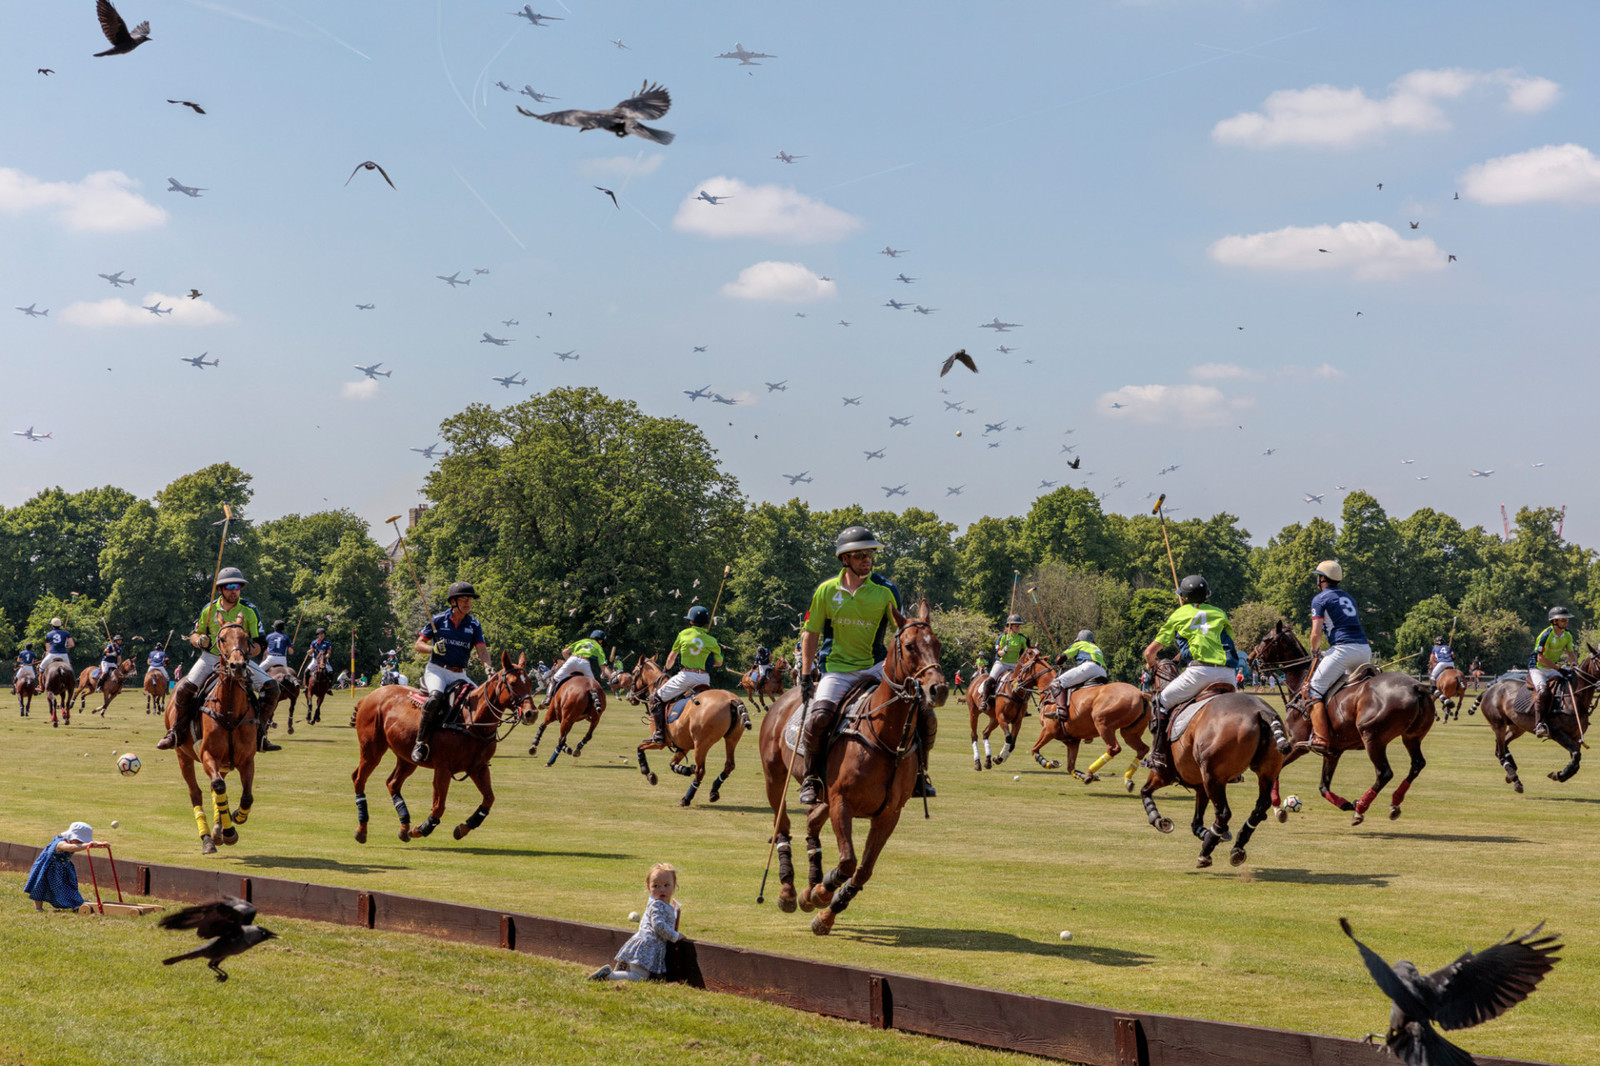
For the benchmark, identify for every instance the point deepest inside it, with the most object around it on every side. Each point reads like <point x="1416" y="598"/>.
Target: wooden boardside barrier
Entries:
<point x="1035" y="1025"/>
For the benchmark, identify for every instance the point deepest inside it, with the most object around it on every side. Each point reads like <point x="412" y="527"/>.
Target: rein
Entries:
<point x="909" y="691"/>
<point x="501" y="715"/>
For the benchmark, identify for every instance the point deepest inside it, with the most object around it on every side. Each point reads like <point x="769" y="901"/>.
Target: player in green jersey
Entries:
<point x="690" y="653"/>
<point x="1008" y="648"/>
<point x="1553" y="647"/>
<point x="1199" y="629"/>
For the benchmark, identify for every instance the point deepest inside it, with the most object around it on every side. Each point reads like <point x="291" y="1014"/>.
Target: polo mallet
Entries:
<point x="772" y="845"/>
<point x="1015" y="577"/>
<point x="298" y="618"/>
<point x="715" y="603"/>
<point x="394" y="520"/>
<point x="1040" y="611"/>
<point x="1156" y="510"/>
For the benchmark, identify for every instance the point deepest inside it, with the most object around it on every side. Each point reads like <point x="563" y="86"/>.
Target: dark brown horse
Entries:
<point x="869" y="774"/>
<point x="109" y="686"/>
<point x="579" y="698"/>
<point x="25" y="686"/>
<point x="156" y="686"/>
<point x="771" y="686"/>
<point x="712" y="714"/>
<point x="1030" y="676"/>
<point x="1097" y="711"/>
<point x="1507" y="707"/>
<point x="1451" y="685"/>
<point x="228" y="730"/>
<point x="1370" y="712"/>
<point x="1226" y="735"/>
<point x="58" y="683"/>
<point x="288" y="692"/>
<point x="319" y="682"/>
<point x="387" y="720"/>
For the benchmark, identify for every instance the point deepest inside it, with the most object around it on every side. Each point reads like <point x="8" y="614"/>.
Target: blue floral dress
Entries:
<point x="54" y="879"/>
<point x="647" y="949"/>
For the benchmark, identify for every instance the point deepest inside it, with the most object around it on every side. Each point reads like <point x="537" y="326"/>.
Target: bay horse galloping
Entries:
<point x="577" y="698"/>
<point x="25" y="686"/>
<point x="1451" y="685"/>
<point x="288" y="691"/>
<point x="58" y="683"/>
<point x="1368" y="712"/>
<point x="109" y="686"/>
<point x="1224" y="735"/>
<point x="319" y="682"/>
<point x="869" y="774"/>
<point x="227" y="732"/>
<point x="1096" y="711"/>
<point x="387" y="720"/>
<point x="1507" y="707"/>
<point x="769" y="686"/>
<point x="156" y="686"/>
<point x="1030" y="676"/>
<point x="709" y="715"/>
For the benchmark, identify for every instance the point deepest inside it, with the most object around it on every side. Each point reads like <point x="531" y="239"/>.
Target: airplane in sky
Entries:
<point x="893" y="253"/>
<point x="31" y="313"/>
<point x="1407" y="462"/>
<point x="30" y="434"/>
<point x="1043" y="484"/>
<point x="199" y="361"/>
<point x="1480" y="473"/>
<point x="117" y="280"/>
<point x="365" y="307"/>
<point x="954" y="490"/>
<point x="897" y="305"/>
<point x="803" y="476"/>
<point x="373" y="371"/>
<point x="896" y="490"/>
<point x="157" y="310"/>
<point x="744" y="57"/>
<point x="1269" y="451"/>
<point x="875" y="455"/>
<point x="1003" y="350"/>
<point x="698" y="394"/>
<point x="842" y="322"/>
<point x="1068" y="449"/>
<point x="428" y="452"/>
<point x="509" y="322"/>
<point x="533" y="17"/>
<point x="700" y="347"/>
<point x="1423" y="477"/>
<point x="800" y="314"/>
<point x="717" y="397"/>
<point x="1118" y="483"/>
<point x="454" y="279"/>
<point x="502" y="85"/>
<point x="999" y="326"/>
<point x="572" y="355"/>
<point x="995" y="427"/>
<point x="713" y="200"/>
<point x="948" y="406"/>
<point x="902" y="277"/>
<point x="488" y="339"/>
<point x="785" y="157"/>
<point x="527" y="90"/>
<point x="851" y="401"/>
<point x="510" y="380"/>
<point x="906" y="421"/>
<point x="174" y="185"/>
<point x="777" y="386"/>
<point x="1117" y="406"/>
<point x="1315" y="497"/>
<point x="919" y="309"/>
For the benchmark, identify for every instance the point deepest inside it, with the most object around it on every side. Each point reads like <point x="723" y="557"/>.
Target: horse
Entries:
<point x="228" y="731"/>
<point x="319" y="682"/>
<point x="868" y="774"/>
<point x="1369" y="711"/>
<point x="771" y="685"/>
<point x="387" y="720"/>
<point x="155" y="690"/>
<point x="579" y="698"/>
<point x="1101" y="710"/>
<point x="25" y="686"/>
<point x="110" y="686"/>
<point x="1226" y="734"/>
<point x="710" y="715"/>
<point x="1031" y="675"/>
<point x="59" y="684"/>
<point x="1451" y="684"/>
<point x="288" y="689"/>
<point x="1507" y="707"/>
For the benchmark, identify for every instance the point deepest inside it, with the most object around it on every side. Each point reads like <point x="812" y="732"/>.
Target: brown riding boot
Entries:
<point x="818" y="723"/>
<point x="1319" y="728"/>
<point x="1541" y="704"/>
<point x="183" y="695"/>
<point x="658" y="719"/>
<point x="1160" y="758"/>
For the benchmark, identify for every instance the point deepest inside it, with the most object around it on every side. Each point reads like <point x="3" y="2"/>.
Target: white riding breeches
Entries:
<point x="270" y="661"/>
<point x="436" y="679"/>
<point x="1335" y="663"/>
<point x="1077" y="675"/>
<point x="1540" y="678"/>
<point x="831" y="687"/>
<point x="206" y="665"/>
<point x="682" y="683"/>
<point x="1191" y="681"/>
<point x="1439" y="668"/>
<point x="575" y="665"/>
<point x="25" y="673"/>
<point x="1001" y="670"/>
<point x="48" y="659"/>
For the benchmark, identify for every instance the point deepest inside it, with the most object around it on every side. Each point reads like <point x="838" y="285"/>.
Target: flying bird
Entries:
<point x="191" y="104"/>
<point x="225" y="925"/>
<point x="1076" y="462"/>
<point x="1324" y="251"/>
<point x="1471" y="990"/>
<point x="1414" y="225"/>
<point x="369" y="165"/>
<point x="651" y="102"/>
<point x="195" y="294"/>
<point x="842" y="322"/>
<point x="1452" y="259"/>
<point x="611" y="194"/>
<point x="116" y="31"/>
<point x="46" y="70"/>
<point x="744" y="57"/>
<point x="961" y="357"/>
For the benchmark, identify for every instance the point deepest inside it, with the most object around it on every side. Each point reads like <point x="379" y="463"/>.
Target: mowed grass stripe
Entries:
<point x="978" y="894"/>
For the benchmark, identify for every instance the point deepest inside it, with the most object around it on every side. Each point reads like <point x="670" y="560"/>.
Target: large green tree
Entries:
<point x="992" y="555"/>
<point x="1067" y="526"/>
<point x="1284" y="567"/>
<point x="52" y="542"/>
<point x="140" y="563"/>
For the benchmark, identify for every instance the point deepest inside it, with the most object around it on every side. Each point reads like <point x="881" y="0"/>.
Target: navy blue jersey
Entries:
<point x="322" y="647"/>
<point x="55" y="642"/>
<point x="1340" y="619"/>
<point x="453" y="644"/>
<point x="158" y="660"/>
<point x="110" y="652"/>
<point x="277" y="644"/>
<point x="26" y="657"/>
<point x="1443" y="654"/>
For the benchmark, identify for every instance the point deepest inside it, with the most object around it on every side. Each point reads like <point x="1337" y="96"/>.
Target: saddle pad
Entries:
<point x="856" y="707"/>
<point x="675" y="711"/>
<point x="1184" y="717"/>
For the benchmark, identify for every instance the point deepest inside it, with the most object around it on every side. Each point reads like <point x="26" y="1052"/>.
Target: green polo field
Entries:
<point x="980" y="894"/>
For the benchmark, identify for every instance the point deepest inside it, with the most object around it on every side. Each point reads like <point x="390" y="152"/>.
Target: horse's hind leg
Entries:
<point x="1047" y="733"/>
<point x="877" y="836"/>
<point x="1198" y="825"/>
<point x="1414" y="749"/>
<point x="441" y="789"/>
<point x="1134" y="735"/>
<point x="839" y="877"/>
<point x="1147" y="796"/>
<point x="397" y="779"/>
<point x="479" y="777"/>
<point x="1380" y="760"/>
<point x="593" y="722"/>
<point x="1502" y="752"/>
<point x="1258" y="814"/>
<point x="1574" y="749"/>
<point x="972" y="725"/>
<point x="729" y="745"/>
<point x="1330" y="763"/>
<point x="1113" y="749"/>
<point x="372" y="751"/>
<point x="1216" y="790"/>
<point x="699" y="772"/>
<point x="815" y="817"/>
<point x="549" y="713"/>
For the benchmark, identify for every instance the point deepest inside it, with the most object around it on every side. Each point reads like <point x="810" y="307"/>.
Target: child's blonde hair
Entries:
<point x="662" y="868"/>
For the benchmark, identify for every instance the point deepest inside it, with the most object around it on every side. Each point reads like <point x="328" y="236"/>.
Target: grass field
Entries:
<point x="979" y="894"/>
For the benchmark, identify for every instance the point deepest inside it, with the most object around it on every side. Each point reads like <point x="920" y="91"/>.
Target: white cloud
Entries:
<point x="117" y="312"/>
<point x="1369" y="250"/>
<point x="1223" y="372"/>
<point x="365" y="389"/>
<point x="776" y="212"/>
<point x="1328" y="372"/>
<point x="101" y="202"/>
<point x="620" y="166"/>
<point x="1556" y="173"/>
<point x="789" y="283"/>
<point x="1331" y="117"/>
<point x="1188" y="405"/>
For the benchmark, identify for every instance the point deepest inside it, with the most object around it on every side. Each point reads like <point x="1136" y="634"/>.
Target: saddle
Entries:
<point x="852" y="708"/>
<point x="675" y="709"/>
<point x="1363" y="673"/>
<point x="1064" y="701"/>
<point x="1185" y="712"/>
<point x="455" y="702"/>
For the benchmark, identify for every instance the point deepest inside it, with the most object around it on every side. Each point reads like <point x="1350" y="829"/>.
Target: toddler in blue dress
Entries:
<point x="645" y="953"/>
<point x="53" y="879"/>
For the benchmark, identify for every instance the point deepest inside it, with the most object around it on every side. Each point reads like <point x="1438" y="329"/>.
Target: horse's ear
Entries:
<point x="505" y="659"/>
<point x="1278" y="626"/>
<point x="522" y="661"/>
<point x="925" y="612"/>
<point x="1594" y="651"/>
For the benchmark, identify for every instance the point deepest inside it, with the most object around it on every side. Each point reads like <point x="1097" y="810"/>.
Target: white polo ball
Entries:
<point x="1016" y="777"/>
<point x="958" y="433"/>
<point x="1066" y="934"/>
<point x="115" y="825"/>
<point x="633" y="916"/>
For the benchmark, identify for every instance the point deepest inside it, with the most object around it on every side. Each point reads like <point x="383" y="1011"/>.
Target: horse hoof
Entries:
<point x="1517" y="785"/>
<point x="1203" y="861"/>
<point x="533" y="749"/>
<point x="1357" y="818"/>
<point x="805" y="902"/>
<point x="978" y="766"/>
<point x="1282" y="813"/>
<point x="1511" y="779"/>
<point x="715" y="796"/>
<point x="361" y="835"/>
<point x="822" y="924"/>
<point x="1236" y="857"/>
<point x="405" y="834"/>
<point x="684" y="802"/>
<point x="1164" y="824"/>
<point x="988" y="762"/>
<point x="291" y="729"/>
<point x="1055" y="764"/>
<point x="240" y="817"/>
<point x="786" y="900"/>
<point x="650" y="777"/>
<point x="230" y="836"/>
<point x="461" y="830"/>
<point x="1553" y="775"/>
<point x="1129" y="783"/>
<point x="206" y="846"/>
<point x="1091" y="778"/>
<point x="1394" y="814"/>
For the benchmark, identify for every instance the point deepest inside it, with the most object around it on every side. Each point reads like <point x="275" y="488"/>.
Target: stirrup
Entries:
<point x="923" y="787"/>
<point x="813" y="787"/>
<point x="420" y="751"/>
<point x="168" y="742"/>
<point x="1318" y="746"/>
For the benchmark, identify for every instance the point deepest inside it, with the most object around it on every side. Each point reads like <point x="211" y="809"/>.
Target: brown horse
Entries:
<point x="1451" y="685"/>
<point x="155" y="690"/>
<point x="319" y="682"/>
<point x="1368" y="712"/>
<point x="59" y="683"/>
<point x="387" y="720"/>
<point x="109" y="686"/>
<point x="579" y="698"/>
<point x="868" y="772"/>
<point x="1226" y="735"/>
<point x="771" y="685"/>
<point x="1507" y="707"/>
<point x="1030" y="676"/>
<point x="712" y="714"/>
<point x="25" y="686"/>
<point x="227" y="730"/>
<point x="1097" y="711"/>
<point x="288" y="690"/>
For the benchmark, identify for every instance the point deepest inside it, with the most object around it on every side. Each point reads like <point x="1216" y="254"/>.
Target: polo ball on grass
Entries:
<point x="129" y="764"/>
<point x="1292" y="803"/>
<point x="115" y="825"/>
<point x="633" y="916"/>
<point x="1066" y="934"/>
<point x="1016" y="777"/>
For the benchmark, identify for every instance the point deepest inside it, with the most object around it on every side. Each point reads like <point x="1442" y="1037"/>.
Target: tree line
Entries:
<point x="573" y="511"/>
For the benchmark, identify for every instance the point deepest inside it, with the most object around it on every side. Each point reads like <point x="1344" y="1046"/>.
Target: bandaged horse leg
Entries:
<point x="1258" y="814"/>
<point x="201" y="822"/>
<point x="225" y="832"/>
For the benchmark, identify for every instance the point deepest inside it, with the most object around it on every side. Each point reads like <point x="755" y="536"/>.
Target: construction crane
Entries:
<point x="1561" y="523"/>
<point x="1505" y="523"/>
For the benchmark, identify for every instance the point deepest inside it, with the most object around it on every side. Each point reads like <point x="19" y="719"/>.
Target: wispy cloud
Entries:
<point x="1367" y="250"/>
<point x="104" y="201"/>
<point x="1556" y="173"/>
<point x="1178" y="405"/>
<point x="113" y="311"/>
<point x="775" y="212"/>
<point x="365" y="389"/>
<point x="781" y="282"/>
<point x="1223" y="372"/>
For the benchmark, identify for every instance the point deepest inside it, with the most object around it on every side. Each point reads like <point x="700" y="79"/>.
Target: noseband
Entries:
<point x="910" y="687"/>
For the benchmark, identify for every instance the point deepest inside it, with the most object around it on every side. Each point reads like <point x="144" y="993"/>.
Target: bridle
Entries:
<point x="909" y="689"/>
<point x="501" y="719"/>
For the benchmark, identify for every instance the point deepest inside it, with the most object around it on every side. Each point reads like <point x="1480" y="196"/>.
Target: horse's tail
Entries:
<point x="596" y="695"/>
<point x="739" y="715"/>
<point x="1269" y="735"/>
<point x="1474" y="708"/>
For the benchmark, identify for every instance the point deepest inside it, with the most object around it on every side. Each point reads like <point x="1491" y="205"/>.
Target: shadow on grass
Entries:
<point x="1564" y="799"/>
<point x="907" y="936"/>
<point x="305" y="862"/>
<point x="1323" y="877"/>
<point x="531" y="853"/>
<point x="1451" y="838"/>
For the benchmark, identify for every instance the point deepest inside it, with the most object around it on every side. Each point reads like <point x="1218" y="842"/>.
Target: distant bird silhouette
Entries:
<point x="961" y="357"/>
<point x="1414" y="225"/>
<point x="369" y="165"/>
<point x="1457" y="196"/>
<point x="116" y="31"/>
<point x="225" y="926"/>
<point x="1469" y="991"/>
<point x="46" y="70"/>
<point x="611" y="194"/>
<point x="1076" y="462"/>
<point x="1324" y="250"/>
<point x="189" y="103"/>
<point x="651" y="102"/>
<point x="195" y="294"/>
<point x="1380" y="186"/>
<point x="1452" y="259"/>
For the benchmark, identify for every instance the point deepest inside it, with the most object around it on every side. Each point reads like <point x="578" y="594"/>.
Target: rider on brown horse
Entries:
<point x="763" y="664"/>
<point x="1440" y="659"/>
<point x="585" y="656"/>
<point x="320" y="651"/>
<point x="1554" y="645"/>
<point x="1088" y="664"/>
<point x="690" y="653"/>
<point x="25" y="660"/>
<point x="448" y="640"/>
<point x="1334" y="615"/>
<point x="227" y="609"/>
<point x="1204" y="635"/>
<point x="850" y="615"/>
<point x="57" y="642"/>
<point x="110" y="660"/>
<point x="1008" y="648"/>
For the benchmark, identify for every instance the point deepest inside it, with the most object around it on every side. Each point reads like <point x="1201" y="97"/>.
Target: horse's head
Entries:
<point x="913" y="662"/>
<point x="1166" y="670"/>
<point x="232" y="650"/>
<point x="1279" y="645"/>
<point x="1032" y="671"/>
<point x="510" y="689"/>
<point x="645" y="675"/>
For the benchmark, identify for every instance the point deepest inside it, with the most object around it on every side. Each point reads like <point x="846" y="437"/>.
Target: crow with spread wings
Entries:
<point x="225" y="926"/>
<point x="651" y="102"/>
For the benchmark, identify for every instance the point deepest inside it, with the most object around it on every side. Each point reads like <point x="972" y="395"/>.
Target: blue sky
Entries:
<point x="1132" y="182"/>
